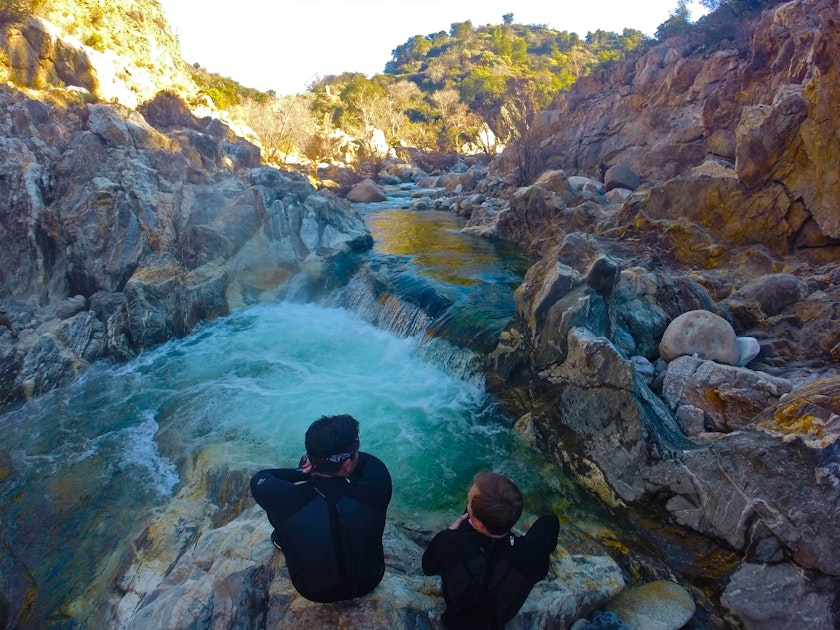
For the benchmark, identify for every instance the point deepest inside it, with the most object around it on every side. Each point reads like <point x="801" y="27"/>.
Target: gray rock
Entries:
<point x="760" y="493"/>
<point x="366" y="191"/>
<point x="555" y="181"/>
<point x="618" y="195"/>
<point x="232" y="576"/>
<point x="70" y="306"/>
<point x="643" y="367"/>
<point x="748" y="349"/>
<point x="772" y="597"/>
<point x="702" y="333"/>
<point x="581" y="184"/>
<point x="692" y="420"/>
<point x="660" y="605"/>
<point x="729" y="396"/>
<point x="620" y="176"/>
<point x="773" y="292"/>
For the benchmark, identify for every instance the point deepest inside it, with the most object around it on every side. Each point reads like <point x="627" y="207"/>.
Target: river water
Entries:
<point x="83" y="467"/>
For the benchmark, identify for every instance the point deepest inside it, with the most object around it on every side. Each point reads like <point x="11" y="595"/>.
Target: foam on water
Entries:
<point x="257" y="379"/>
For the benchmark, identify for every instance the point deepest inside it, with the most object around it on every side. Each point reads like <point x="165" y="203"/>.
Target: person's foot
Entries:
<point x="276" y="542"/>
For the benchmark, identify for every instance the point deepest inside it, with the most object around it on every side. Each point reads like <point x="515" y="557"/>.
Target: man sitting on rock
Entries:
<point x="329" y="513"/>
<point x="487" y="572"/>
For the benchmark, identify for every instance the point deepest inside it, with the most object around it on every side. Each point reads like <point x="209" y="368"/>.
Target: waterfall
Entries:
<point x="86" y="465"/>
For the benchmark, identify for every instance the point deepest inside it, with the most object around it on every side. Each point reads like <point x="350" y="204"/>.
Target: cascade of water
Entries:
<point x="84" y="466"/>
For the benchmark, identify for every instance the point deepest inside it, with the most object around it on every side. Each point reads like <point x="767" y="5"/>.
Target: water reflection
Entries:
<point x="438" y="249"/>
<point x="464" y="283"/>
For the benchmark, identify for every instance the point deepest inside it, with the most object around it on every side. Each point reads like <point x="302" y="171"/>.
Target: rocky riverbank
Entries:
<point x="686" y="180"/>
<point x="125" y="228"/>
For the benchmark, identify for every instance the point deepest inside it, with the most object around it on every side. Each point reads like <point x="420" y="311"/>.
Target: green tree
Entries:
<point x="409" y="56"/>
<point x="461" y="30"/>
<point x="678" y="22"/>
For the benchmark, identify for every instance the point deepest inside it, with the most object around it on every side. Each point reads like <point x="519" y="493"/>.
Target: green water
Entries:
<point x="85" y="466"/>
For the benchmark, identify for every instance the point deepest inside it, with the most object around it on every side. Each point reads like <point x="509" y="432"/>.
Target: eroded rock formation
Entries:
<point x="736" y="215"/>
<point x="120" y="234"/>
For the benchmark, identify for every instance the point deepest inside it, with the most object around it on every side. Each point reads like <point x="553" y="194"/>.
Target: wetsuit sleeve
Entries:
<point x="292" y="475"/>
<point x="431" y="563"/>
<point x="543" y="533"/>
<point x="274" y="490"/>
<point x="371" y="481"/>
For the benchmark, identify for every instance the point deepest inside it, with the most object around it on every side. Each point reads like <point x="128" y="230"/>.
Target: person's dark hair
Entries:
<point x="496" y="502"/>
<point x="329" y="438"/>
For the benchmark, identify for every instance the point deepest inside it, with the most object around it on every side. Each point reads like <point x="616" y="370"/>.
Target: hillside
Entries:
<point x="123" y="51"/>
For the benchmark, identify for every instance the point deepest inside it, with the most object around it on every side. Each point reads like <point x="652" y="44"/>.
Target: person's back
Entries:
<point x="329" y="524"/>
<point x="487" y="572"/>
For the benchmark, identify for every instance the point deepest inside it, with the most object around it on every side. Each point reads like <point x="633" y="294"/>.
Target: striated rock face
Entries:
<point x="146" y="230"/>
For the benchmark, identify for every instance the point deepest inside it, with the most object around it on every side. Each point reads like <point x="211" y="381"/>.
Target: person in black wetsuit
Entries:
<point x="329" y="513"/>
<point x="479" y="554"/>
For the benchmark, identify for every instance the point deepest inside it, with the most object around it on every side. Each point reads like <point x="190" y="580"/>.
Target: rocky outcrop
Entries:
<point x="735" y="218"/>
<point x="122" y="232"/>
<point x="765" y="111"/>
<point x="121" y="52"/>
<point x="232" y="576"/>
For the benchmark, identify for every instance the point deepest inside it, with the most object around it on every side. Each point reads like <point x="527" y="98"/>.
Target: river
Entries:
<point x="84" y="467"/>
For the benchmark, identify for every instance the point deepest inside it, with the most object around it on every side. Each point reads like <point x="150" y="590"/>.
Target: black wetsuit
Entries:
<point x="330" y="528"/>
<point x="518" y="562"/>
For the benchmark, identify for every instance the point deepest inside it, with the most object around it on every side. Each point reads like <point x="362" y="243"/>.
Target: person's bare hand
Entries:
<point x="460" y="520"/>
<point x="305" y="466"/>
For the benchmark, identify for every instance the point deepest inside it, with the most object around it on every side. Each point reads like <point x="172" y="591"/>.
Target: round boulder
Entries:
<point x="703" y="333"/>
<point x="620" y="176"/>
<point x="660" y="605"/>
<point x="366" y="191"/>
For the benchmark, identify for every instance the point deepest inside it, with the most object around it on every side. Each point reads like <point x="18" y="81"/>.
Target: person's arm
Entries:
<point x="435" y="550"/>
<point x="544" y="532"/>
<point x="267" y="486"/>
<point x="292" y="475"/>
<point x="372" y="478"/>
<point x="430" y="563"/>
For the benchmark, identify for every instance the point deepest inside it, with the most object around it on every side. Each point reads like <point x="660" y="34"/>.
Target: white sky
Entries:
<point x="284" y="44"/>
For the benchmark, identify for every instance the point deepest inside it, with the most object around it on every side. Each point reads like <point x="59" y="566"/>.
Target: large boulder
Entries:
<point x="621" y="176"/>
<point x="703" y="333"/>
<point x="232" y="575"/>
<point x="366" y="191"/>
<point x="726" y="397"/>
<point x="771" y="596"/>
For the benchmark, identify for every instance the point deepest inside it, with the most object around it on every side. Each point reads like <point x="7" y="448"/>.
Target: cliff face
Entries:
<point x="121" y="51"/>
<point x="736" y="214"/>
<point x="748" y="132"/>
